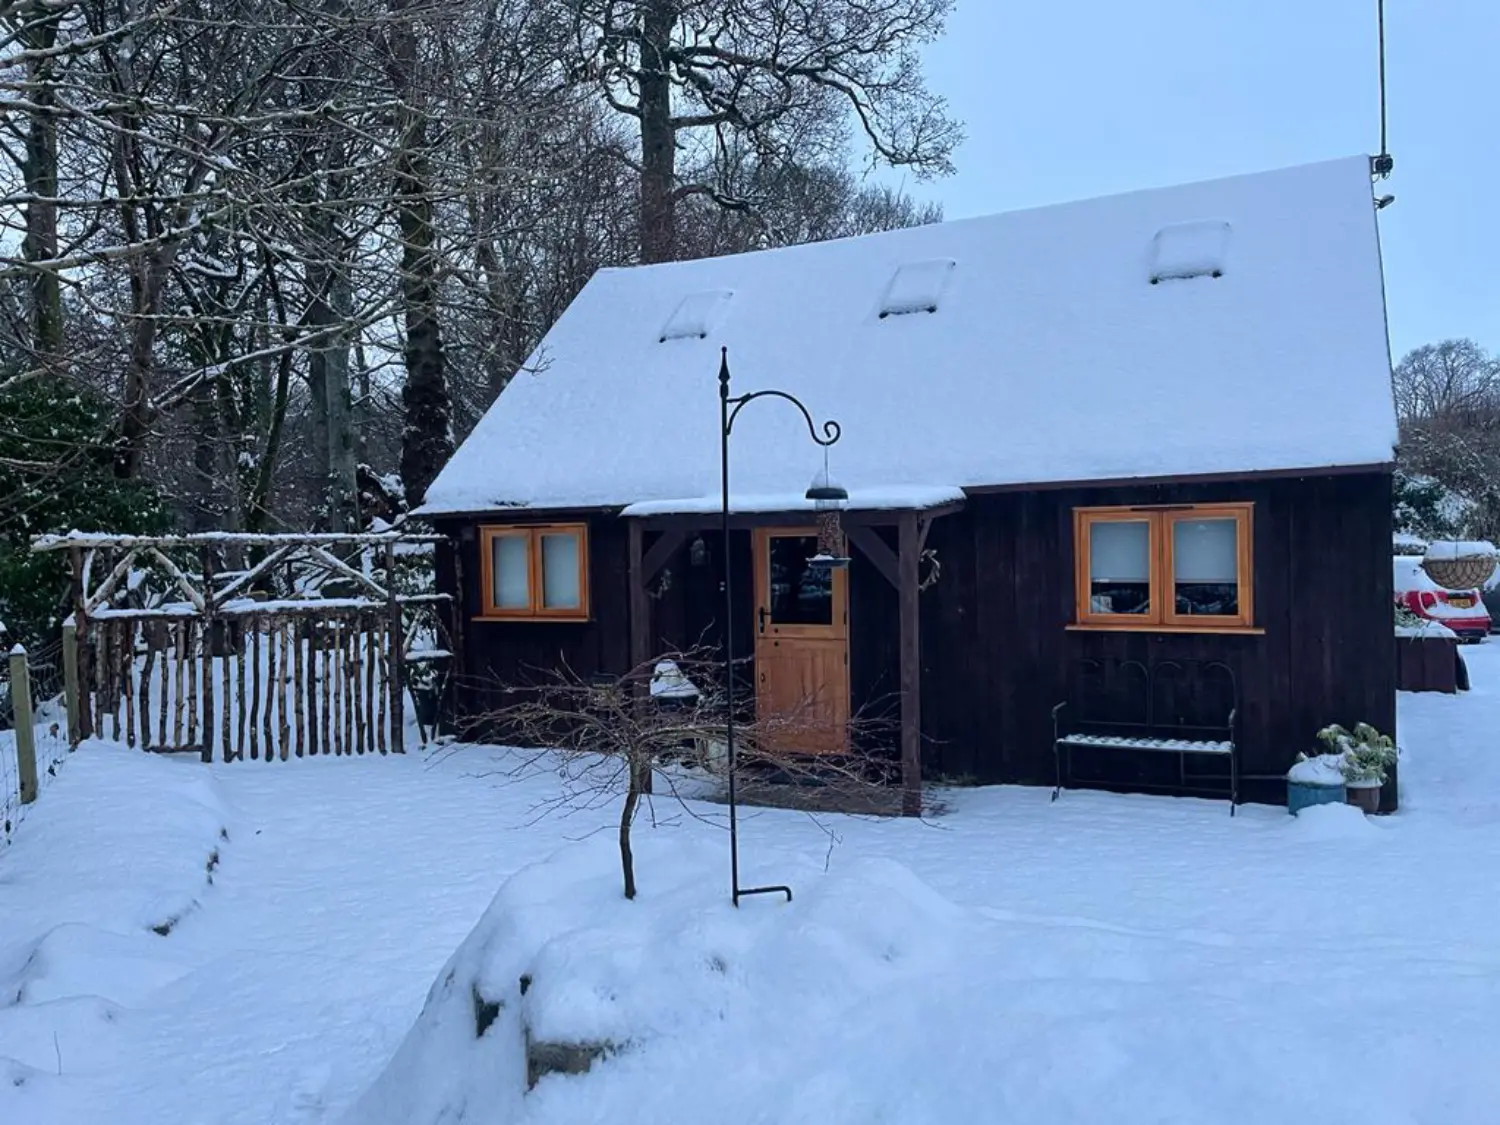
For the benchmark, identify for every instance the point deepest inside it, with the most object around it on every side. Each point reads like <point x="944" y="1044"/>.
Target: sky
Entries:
<point x="1070" y="100"/>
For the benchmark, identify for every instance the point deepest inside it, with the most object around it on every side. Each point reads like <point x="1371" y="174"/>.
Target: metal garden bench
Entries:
<point x="1185" y="741"/>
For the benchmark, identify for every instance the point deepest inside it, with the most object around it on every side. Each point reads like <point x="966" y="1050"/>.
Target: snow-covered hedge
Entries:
<point x="677" y="978"/>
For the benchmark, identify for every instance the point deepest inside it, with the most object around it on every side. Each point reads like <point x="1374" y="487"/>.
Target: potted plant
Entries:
<point x="1315" y="780"/>
<point x="1366" y="758"/>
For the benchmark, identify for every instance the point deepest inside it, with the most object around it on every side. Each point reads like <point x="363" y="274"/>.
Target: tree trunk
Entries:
<point x="205" y="483"/>
<point x="148" y="273"/>
<point x="504" y="305"/>
<point x="627" y="816"/>
<point x="149" y="278"/>
<point x="658" y="138"/>
<point x="426" y="442"/>
<point x="40" y="242"/>
<point x="328" y="383"/>
<point x="258" y="504"/>
<point x="427" y="439"/>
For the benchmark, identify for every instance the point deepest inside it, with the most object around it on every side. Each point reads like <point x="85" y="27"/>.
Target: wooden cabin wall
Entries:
<point x="498" y="654"/>
<point x="996" y="653"/>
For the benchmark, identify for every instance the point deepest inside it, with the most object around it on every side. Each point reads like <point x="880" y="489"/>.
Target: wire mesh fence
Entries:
<point x="49" y="727"/>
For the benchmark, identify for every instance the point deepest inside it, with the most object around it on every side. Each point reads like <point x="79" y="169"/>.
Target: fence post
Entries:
<point x="20" y="696"/>
<point x="397" y="642"/>
<point x="70" y="679"/>
<point x="86" y="671"/>
<point x="206" y="645"/>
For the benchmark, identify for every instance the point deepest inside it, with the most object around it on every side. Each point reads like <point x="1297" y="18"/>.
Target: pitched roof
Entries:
<point x="1230" y="326"/>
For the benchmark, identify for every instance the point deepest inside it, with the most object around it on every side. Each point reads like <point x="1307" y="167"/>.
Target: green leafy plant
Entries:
<point x="1407" y="619"/>
<point x="56" y="475"/>
<point x="1365" y="755"/>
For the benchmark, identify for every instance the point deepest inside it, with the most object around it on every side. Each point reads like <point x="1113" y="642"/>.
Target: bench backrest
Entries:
<point x="1183" y="697"/>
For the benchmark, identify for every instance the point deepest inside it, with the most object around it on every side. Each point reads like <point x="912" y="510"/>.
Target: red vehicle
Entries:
<point x="1463" y="611"/>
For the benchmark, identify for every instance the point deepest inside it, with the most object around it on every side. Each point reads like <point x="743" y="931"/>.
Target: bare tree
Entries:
<point x="1448" y="402"/>
<point x="278" y="241"/>
<point x="1446" y="381"/>
<point x="612" y="733"/>
<point x="781" y="74"/>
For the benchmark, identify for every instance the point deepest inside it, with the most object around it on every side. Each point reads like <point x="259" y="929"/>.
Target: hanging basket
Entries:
<point x="1464" y="572"/>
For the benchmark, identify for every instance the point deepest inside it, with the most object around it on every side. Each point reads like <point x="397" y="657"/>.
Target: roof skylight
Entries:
<point x="696" y="315"/>
<point x="916" y="287"/>
<point x="1185" y="250"/>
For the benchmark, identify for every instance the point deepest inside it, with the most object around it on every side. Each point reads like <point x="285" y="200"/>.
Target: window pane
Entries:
<point x="800" y="594"/>
<point x="1120" y="566"/>
<point x="1205" y="564"/>
<point x="512" y="586"/>
<point x="560" y="587"/>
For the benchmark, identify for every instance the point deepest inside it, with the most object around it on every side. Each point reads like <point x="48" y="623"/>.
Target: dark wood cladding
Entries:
<point x="498" y="653"/>
<point x="997" y="654"/>
<point x="1427" y="664"/>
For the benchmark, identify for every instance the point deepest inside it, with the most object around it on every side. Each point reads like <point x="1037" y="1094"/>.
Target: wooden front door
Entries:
<point x="801" y="645"/>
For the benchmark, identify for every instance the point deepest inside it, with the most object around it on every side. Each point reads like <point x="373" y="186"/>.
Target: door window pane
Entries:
<point x="1205" y="565"/>
<point x="512" y="586"/>
<point x="560" y="587"/>
<point x="800" y="594"/>
<point x="1120" y="566"/>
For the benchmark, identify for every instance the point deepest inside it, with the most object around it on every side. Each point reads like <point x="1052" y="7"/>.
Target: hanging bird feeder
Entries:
<point x="828" y="500"/>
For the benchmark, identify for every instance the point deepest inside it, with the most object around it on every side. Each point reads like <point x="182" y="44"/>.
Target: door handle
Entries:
<point x="761" y="615"/>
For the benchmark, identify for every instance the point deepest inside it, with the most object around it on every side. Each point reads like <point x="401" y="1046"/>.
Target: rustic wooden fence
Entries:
<point x="303" y="649"/>
<point x="33" y="744"/>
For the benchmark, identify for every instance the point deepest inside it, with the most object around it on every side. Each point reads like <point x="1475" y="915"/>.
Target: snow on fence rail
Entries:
<point x="303" y="648"/>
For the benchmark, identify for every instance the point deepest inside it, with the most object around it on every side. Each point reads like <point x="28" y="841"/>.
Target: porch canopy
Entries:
<point x="910" y="508"/>
<point x="759" y="508"/>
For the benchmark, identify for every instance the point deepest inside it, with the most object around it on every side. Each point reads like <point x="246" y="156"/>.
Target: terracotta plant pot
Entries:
<point x="1366" y="798"/>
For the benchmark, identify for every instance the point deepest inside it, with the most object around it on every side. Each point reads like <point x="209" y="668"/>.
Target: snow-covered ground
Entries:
<point x="1129" y="959"/>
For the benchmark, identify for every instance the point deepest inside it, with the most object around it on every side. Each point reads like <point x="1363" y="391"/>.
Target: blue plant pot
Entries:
<point x="1300" y="795"/>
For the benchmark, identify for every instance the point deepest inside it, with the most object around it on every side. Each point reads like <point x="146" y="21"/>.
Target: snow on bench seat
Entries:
<point x="1171" y="745"/>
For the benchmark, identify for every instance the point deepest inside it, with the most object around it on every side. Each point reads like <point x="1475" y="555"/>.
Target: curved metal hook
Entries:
<point x="831" y="430"/>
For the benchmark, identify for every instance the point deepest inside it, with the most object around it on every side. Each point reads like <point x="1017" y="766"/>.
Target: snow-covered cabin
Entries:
<point x="1131" y="454"/>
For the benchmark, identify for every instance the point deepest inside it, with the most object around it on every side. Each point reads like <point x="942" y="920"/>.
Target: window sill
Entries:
<point x="539" y="618"/>
<point x="1153" y="627"/>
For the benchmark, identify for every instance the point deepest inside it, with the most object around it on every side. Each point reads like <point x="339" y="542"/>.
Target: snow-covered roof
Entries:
<point x="1231" y="326"/>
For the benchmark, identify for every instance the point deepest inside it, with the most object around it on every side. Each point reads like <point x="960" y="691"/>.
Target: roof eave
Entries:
<point x="1385" y="467"/>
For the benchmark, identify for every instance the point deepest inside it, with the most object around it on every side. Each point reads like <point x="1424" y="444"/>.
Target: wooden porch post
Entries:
<point x="640" y="625"/>
<point x="640" y="603"/>
<point x="907" y="559"/>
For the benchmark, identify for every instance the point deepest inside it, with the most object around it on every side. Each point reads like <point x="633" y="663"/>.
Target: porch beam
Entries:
<point x="800" y="517"/>
<point x="873" y="548"/>
<point x="661" y="551"/>
<point x="908" y="559"/>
